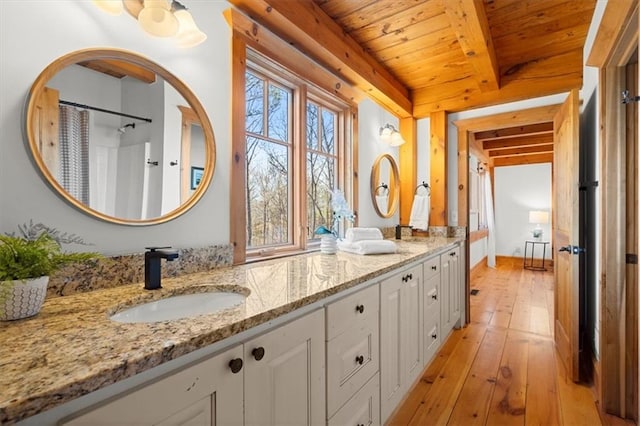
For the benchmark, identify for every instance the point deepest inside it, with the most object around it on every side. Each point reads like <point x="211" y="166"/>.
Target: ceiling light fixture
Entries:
<point x="390" y="135"/>
<point x="159" y="18"/>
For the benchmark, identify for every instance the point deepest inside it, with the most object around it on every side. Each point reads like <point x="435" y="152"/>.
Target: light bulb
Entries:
<point x="189" y="34"/>
<point x="156" y="18"/>
<point x="112" y="7"/>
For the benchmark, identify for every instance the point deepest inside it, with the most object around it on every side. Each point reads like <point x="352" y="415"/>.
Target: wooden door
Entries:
<point x="284" y="383"/>
<point x="565" y="233"/>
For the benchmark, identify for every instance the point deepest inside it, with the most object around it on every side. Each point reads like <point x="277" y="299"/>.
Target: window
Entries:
<point x="296" y="150"/>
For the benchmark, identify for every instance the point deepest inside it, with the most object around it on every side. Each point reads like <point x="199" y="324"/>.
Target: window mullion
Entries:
<point x="300" y="151"/>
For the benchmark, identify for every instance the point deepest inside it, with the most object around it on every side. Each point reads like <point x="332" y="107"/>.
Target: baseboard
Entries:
<point x="511" y="260"/>
<point x="478" y="266"/>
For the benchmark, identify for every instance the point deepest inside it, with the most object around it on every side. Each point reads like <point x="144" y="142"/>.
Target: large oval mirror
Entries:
<point x="385" y="186"/>
<point x="119" y="137"/>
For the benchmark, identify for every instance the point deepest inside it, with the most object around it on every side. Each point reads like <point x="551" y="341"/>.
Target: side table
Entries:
<point x="528" y="263"/>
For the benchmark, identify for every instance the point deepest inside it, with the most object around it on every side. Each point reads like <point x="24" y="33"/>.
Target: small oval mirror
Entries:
<point x="385" y="189"/>
<point x="119" y="137"/>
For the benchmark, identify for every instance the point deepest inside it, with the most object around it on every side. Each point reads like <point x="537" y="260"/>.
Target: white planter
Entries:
<point x="22" y="298"/>
<point x="328" y="244"/>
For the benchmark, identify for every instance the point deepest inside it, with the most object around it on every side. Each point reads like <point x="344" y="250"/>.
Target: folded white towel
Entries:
<point x="368" y="246"/>
<point x="419" y="218"/>
<point x="359" y="234"/>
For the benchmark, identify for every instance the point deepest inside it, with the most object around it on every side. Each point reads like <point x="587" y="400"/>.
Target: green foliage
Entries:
<point x="22" y="258"/>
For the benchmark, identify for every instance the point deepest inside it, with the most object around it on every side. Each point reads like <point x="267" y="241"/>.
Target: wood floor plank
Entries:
<point x="509" y="397"/>
<point x="472" y="406"/>
<point x="576" y="401"/>
<point x="438" y="403"/>
<point x="542" y="392"/>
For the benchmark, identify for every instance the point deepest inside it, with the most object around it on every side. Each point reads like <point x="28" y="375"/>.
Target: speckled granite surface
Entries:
<point x="72" y="348"/>
<point x="115" y="271"/>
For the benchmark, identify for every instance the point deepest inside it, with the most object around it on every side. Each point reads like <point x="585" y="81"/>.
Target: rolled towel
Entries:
<point x="368" y="246"/>
<point x="358" y="234"/>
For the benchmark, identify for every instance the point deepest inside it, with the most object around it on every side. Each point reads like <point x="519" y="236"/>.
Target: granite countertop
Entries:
<point x="72" y="348"/>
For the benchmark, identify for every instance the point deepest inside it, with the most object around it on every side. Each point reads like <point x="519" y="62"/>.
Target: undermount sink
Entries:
<point x="180" y="306"/>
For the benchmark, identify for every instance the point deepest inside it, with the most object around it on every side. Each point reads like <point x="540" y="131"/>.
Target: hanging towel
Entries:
<point x="358" y="234"/>
<point x="382" y="201"/>
<point x="368" y="246"/>
<point x="420" y="212"/>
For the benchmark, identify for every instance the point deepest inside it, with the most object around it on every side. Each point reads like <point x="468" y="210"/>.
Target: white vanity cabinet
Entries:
<point x="401" y="328"/>
<point x="276" y="378"/>
<point x="353" y="356"/>
<point x="450" y="289"/>
<point x="207" y="393"/>
<point x="284" y="374"/>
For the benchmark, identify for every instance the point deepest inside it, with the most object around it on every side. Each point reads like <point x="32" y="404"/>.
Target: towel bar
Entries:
<point x="423" y="185"/>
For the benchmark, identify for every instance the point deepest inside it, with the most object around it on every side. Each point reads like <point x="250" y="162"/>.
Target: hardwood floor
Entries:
<point x="502" y="369"/>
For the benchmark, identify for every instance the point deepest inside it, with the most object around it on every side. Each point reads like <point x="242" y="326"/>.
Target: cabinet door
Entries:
<point x="285" y="374"/>
<point x="412" y="325"/>
<point x="456" y="284"/>
<point x="431" y="317"/>
<point x="391" y="367"/>
<point x="401" y="325"/>
<point x="450" y="290"/>
<point x="208" y="393"/>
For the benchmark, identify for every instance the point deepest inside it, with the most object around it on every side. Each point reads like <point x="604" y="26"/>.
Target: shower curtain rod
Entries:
<point x="121" y="114"/>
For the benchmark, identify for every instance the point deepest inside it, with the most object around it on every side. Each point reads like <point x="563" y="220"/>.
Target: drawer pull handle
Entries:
<point x="452" y="254"/>
<point x="434" y="296"/>
<point x="360" y="308"/>
<point x="434" y="268"/>
<point x="407" y="277"/>
<point x="258" y="353"/>
<point x="434" y="336"/>
<point x="235" y="365"/>
<point x="360" y="359"/>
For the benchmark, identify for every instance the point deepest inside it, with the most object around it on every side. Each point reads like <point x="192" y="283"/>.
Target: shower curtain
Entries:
<point x="74" y="152"/>
<point x="491" y="224"/>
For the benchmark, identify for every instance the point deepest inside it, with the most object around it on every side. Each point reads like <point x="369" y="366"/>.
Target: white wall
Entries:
<point x="35" y="33"/>
<point x="518" y="190"/>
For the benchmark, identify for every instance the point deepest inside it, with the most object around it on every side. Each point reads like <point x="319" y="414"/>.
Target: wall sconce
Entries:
<point x="390" y="135"/>
<point x="158" y="18"/>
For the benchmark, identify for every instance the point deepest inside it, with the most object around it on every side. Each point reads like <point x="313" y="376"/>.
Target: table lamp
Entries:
<point x="538" y="217"/>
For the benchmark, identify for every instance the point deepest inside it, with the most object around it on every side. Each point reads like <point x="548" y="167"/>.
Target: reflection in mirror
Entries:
<point x="385" y="188"/>
<point x="111" y="133"/>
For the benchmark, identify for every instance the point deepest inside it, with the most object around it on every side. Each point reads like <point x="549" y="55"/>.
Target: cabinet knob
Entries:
<point x="360" y="359"/>
<point x="434" y="296"/>
<point x="410" y="276"/>
<point x="360" y="308"/>
<point x="434" y="268"/>
<point x="258" y="353"/>
<point x="235" y="365"/>
<point x="434" y="336"/>
<point x="453" y="253"/>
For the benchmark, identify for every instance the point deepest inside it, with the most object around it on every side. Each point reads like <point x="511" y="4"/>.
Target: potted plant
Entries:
<point x="328" y="237"/>
<point x="26" y="261"/>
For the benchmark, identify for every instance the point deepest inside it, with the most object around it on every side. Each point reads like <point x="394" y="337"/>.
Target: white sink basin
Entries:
<point x="182" y="306"/>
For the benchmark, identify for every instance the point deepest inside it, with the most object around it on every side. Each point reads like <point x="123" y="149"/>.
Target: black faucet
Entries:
<point x="152" y="270"/>
<point x="399" y="231"/>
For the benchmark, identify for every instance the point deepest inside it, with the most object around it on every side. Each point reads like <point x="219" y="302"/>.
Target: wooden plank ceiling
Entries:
<point x="440" y="55"/>
<point x="510" y="146"/>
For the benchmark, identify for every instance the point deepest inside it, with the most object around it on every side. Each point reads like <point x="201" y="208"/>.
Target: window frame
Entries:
<point x="249" y="59"/>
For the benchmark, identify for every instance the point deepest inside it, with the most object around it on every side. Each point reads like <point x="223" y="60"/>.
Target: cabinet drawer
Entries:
<point x="352" y="310"/>
<point x="432" y="338"/>
<point x="362" y="409"/>
<point x="431" y="295"/>
<point x="431" y="267"/>
<point x="352" y="359"/>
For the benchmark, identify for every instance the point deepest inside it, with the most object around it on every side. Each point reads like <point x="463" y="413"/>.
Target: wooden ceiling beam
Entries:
<point x="470" y="24"/>
<point x="523" y="159"/>
<point x="511" y="132"/>
<point x="518" y="142"/>
<point x="120" y="69"/>
<point x="542" y="77"/>
<point x="305" y="26"/>
<point x="523" y="150"/>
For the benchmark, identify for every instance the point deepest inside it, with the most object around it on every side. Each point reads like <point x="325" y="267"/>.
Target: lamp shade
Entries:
<point x="189" y="34"/>
<point x="396" y="139"/>
<point x="112" y="7"/>
<point x="385" y="133"/>
<point x="156" y="18"/>
<point x="538" y="217"/>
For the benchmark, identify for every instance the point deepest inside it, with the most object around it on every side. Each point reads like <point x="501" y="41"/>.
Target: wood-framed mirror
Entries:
<point x="385" y="186"/>
<point x="119" y="137"/>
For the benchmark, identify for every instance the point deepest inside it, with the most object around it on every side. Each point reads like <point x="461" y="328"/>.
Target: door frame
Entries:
<point x="615" y="43"/>
<point x="466" y="127"/>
